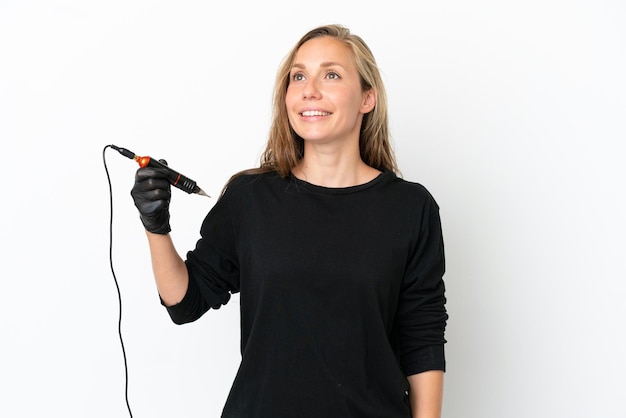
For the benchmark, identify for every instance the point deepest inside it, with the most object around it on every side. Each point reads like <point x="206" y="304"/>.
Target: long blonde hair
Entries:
<point x="285" y="148"/>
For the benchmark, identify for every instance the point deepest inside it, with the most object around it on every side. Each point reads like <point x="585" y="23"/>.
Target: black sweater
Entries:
<point x="342" y="293"/>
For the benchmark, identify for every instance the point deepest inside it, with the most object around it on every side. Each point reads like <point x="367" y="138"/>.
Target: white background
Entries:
<point x="512" y="113"/>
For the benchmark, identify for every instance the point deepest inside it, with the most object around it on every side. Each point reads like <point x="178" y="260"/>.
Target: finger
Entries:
<point x="152" y="207"/>
<point x="157" y="193"/>
<point x="150" y="172"/>
<point x="152" y="189"/>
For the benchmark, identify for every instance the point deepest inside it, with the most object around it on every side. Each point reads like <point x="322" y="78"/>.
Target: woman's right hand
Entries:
<point x="151" y="194"/>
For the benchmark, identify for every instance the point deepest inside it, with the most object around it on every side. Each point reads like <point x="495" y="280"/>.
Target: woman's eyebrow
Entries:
<point x="323" y="64"/>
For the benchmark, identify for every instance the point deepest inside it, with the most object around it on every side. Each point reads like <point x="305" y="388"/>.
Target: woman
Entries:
<point x="338" y="261"/>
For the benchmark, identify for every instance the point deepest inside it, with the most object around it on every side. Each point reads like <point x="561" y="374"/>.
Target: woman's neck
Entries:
<point x="334" y="170"/>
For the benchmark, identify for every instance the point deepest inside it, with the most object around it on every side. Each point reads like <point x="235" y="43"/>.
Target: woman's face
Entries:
<point x="324" y="99"/>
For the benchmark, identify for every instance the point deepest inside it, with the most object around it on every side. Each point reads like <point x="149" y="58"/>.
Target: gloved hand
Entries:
<point x="151" y="194"/>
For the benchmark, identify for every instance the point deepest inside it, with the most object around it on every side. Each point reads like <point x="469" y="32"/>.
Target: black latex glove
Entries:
<point x="151" y="194"/>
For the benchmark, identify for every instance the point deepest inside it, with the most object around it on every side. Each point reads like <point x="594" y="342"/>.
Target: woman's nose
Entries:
<point x="311" y="90"/>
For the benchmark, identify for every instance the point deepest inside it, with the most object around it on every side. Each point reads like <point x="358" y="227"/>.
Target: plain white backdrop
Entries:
<point x="512" y="113"/>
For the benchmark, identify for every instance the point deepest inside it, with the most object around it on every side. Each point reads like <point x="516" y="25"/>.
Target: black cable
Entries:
<point x="117" y="286"/>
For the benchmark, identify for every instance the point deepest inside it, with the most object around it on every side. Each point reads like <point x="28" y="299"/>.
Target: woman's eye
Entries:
<point x="297" y="77"/>
<point x="332" y="75"/>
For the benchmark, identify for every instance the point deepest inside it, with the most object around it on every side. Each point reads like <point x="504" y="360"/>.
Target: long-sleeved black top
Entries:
<point x="341" y="293"/>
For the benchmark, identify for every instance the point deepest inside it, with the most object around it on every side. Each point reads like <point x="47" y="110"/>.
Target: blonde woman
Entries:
<point x="338" y="261"/>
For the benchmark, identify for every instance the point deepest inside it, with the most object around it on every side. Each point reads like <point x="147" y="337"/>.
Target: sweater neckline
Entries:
<point x="385" y="174"/>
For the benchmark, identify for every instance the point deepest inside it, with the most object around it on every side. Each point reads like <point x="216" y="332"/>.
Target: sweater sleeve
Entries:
<point x="421" y="316"/>
<point x="212" y="266"/>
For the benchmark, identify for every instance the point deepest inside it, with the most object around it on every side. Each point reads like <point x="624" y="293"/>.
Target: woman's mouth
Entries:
<point x="309" y="113"/>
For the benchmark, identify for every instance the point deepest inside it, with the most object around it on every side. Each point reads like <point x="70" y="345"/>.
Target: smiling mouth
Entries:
<point x="314" y="113"/>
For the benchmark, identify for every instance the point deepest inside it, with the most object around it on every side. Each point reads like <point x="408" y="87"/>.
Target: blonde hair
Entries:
<point x="285" y="148"/>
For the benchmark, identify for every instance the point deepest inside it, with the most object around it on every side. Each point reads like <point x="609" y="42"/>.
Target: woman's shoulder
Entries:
<point x="249" y="180"/>
<point x="413" y="191"/>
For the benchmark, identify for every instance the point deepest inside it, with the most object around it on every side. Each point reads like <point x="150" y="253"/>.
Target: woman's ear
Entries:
<point x="369" y="101"/>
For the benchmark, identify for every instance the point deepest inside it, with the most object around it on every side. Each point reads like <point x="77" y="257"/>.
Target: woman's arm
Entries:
<point x="426" y="394"/>
<point x="170" y="271"/>
<point x="151" y="194"/>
